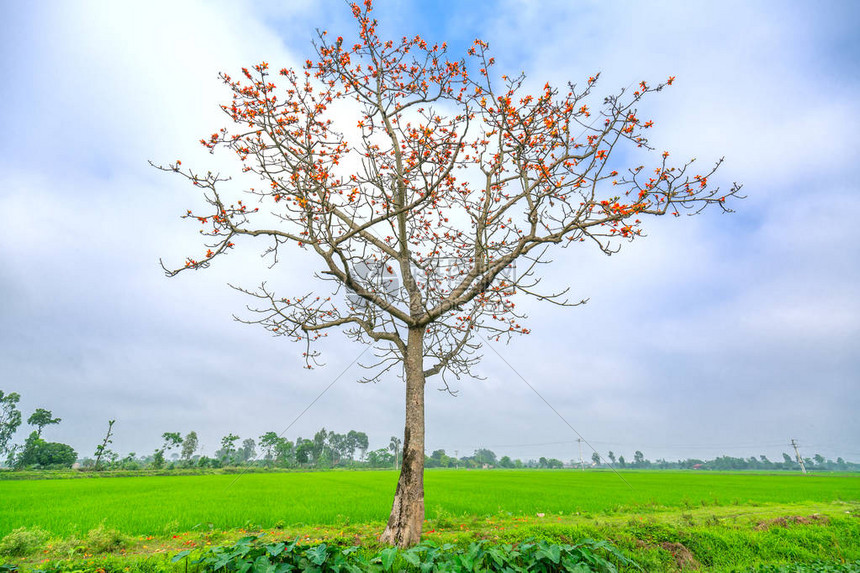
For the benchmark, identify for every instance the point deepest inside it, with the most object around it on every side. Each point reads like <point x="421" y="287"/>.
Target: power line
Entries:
<point x="308" y="407"/>
<point x="557" y="413"/>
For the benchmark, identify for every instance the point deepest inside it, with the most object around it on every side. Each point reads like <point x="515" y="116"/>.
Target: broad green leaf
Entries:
<point x="318" y="554"/>
<point x="412" y="557"/>
<point x="468" y="562"/>
<point x="387" y="555"/>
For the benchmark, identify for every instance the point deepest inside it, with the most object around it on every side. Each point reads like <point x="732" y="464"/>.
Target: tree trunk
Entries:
<point x="407" y="512"/>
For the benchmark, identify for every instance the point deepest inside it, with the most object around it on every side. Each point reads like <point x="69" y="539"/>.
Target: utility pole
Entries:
<point x="581" y="463"/>
<point x="457" y="458"/>
<point x="797" y="453"/>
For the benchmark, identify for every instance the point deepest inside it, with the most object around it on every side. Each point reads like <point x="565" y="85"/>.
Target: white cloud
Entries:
<point x="713" y="332"/>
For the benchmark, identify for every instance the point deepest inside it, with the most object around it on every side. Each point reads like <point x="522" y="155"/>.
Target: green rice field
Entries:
<point x="147" y="505"/>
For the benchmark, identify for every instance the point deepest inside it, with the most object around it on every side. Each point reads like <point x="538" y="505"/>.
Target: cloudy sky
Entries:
<point x="719" y="334"/>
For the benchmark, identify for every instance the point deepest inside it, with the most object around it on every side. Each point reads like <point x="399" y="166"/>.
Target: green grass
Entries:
<point x="161" y="504"/>
<point x="663" y="520"/>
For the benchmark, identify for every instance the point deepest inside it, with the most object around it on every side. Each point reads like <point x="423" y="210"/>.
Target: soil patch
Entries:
<point x="683" y="557"/>
<point x="791" y="519"/>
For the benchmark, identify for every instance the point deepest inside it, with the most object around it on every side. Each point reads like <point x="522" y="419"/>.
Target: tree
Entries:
<point x="158" y="459"/>
<point x="41" y="418"/>
<point x="440" y="459"/>
<point x="611" y="456"/>
<point x="248" y="450"/>
<point x="10" y="419"/>
<point x="228" y="448"/>
<point x="394" y="446"/>
<point x="189" y="446"/>
<point x="339" y="445"/>
<point x="484" y="456"/>
<point x="551" y="463"/>
<point x="276" y="448"/>
<point x="268" y="442"/>
<point x="130" y="462"/>
<point x="304" y="451"/>
<point x="39" y="453"/>
<point x="284" y="452"/>
<point x="102" y="449"/>
<point x="357" y="441"/>
<point x="379" y="458"/>
<point x="595" y="458"/>
<point x="172" y="440"/>
<point x="319" y="445"/>
<point x="622" y="462"/>
<point x="420" y="208"/>
<point x="638" y="459"/>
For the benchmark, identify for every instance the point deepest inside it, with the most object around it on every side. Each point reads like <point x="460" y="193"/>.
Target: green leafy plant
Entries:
<point x="255" y="554"/>
<point x="22" y="542"/>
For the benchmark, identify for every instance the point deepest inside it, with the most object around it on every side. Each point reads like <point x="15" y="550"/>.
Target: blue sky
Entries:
<point x="720" y="334"/>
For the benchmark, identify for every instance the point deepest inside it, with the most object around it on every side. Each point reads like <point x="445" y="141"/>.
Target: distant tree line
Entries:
<point x="727" y="463"/>
<point x="326" y="449"/>
<point x="270" y="450"/>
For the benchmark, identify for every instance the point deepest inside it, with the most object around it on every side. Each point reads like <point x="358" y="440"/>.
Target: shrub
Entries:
<point x="104" y="540"/>
<point x="22" y="542"/>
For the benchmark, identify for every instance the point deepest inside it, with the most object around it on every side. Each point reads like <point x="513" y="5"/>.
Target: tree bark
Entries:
<point x="407" y="512"/>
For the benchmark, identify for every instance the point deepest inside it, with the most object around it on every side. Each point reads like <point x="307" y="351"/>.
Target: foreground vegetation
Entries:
<point x="713" y="538"/>
<point x="665" y="521"/>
